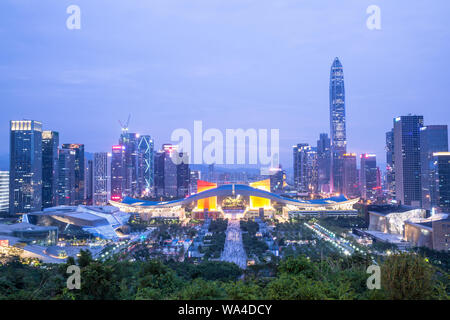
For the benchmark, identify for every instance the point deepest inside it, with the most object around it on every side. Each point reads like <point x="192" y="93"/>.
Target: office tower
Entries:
<point x="324" y="162"/>
<point x="211" y="173"/>
<point x="89" y="182"/>
<point x="305" y="168"/>
<point x="146" y="165"/>
<point x="101" y="179"/>
<point x="433" y="139"/>
<point x="195" y="176"/>
<point x="171" y="176"/>
<point x="440" y="182"/>
<point x="337" y="126"/>
<point x="4" y="192"/>
<point x="50" y="143"/>
<point x="67" y="182"/>
<point x="350" y="189"/>
<point x="117" y="173"/>
<point x="130" y="142"/>
<point x="80" y="195"/>
<point x="407" y="159"/>
<point x="25" y="181"/>
<point x="369" y="177"/>
<point x="183" y="177"/>
<point x="390" y="166"/>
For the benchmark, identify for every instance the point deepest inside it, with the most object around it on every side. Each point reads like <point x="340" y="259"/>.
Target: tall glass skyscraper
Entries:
<point x="433" y="138"/>
<point x="80" y="173"/>
<point x="324" y="162"/>
<point x="146" y="165"/>
<point x="390" y="164"/>
<point x="101" y="177"/>
<point x="117" y="173"/>
<point x="50" y="143"/>
<point x="337" y="126"/>
<point x="67" y="189"/>
<point x="369" y="177"/>
<point x="25" y="181"/>
<point x="130" y="142"/>
<point x="351" y="188"/>
<point x="408" y="189"/>
<point x="440" y="184"/>
<point x="305" y="168"/>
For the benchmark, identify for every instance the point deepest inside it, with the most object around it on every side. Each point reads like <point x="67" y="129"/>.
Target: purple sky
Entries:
<point x="231" y="63"/>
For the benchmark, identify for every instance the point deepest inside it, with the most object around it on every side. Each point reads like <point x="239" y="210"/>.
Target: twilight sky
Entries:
<point x="231" y="63"/>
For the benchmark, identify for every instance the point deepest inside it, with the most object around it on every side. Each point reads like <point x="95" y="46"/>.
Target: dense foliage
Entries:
<point x="404" y="276"/>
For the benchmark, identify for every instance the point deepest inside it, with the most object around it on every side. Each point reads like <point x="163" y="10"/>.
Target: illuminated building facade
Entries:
<point x="4" y="192"/>
<point x="25" y="184"/>
<point x="408" y="189"/>
<point x="433" y="139"/>
<point x="369" y="177"/>
<point x="337" y="126"/>
<point x="146" y="165"/>
<point x="130" y="143"/>
<point x="117" y="172"/>
<point x="101" y="179"/>
<point x="50" y="143"/>
<point x="324" y="162"/>
<point x="390" y="164"/>
<point x="67" y="187"/>
<point x="259" y="202"/>
<point x="80" y="181"/>
<point x="351" y="186"/>
<point x="305" y="168"/>
<point x="439" y="189"/>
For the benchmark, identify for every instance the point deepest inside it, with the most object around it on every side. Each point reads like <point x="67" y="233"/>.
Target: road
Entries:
<point x="234" y="248"/>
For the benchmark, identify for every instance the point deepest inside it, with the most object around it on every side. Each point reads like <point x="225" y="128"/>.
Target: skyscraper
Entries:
<point x="337" y="125"/>
<point x="369" y="177"/>
<point x="350" y="176"/>
<point x="433" y="139"/>
<point x="67" y="187"/>
<point x="101" y="179"/>
<point x="89" y="171"/>
<point x="171" y="176"/>
<point x="50" y="143"/>
<point x="146" y="165"/>
<point x="390" y="165"/>
<point x="407" y="159"/>
<point x="25" y="181"/>
<point x="440" y="183"/>
<point x="130" y="142"/>
<point x="4" y="192"/>
<point x="305" y="168"/>
<point x="80" y="195"/>
<point x="324" y="162"/>
<point x="117" y="173"/>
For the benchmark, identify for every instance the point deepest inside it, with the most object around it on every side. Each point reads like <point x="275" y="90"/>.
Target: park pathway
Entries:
<point x="234" y="248"/>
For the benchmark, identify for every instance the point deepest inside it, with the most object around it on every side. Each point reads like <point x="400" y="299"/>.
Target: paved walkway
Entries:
<point x="234" y="248"/>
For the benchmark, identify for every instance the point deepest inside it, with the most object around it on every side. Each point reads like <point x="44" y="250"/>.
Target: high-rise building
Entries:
<point x="67" y="183"/>
<point x="89" y="182"/>
<point x="80" y="192"/>
<point x="390" y="166"/>
<point x="337" y="126"/>
<point x="351" y="189"/>
<point x="130" y="142"/>
<point x="433" y="139"/>
<point x="146" y="165"/>
<point x="369" y="177"/>
<point x="407" y="159"/>
<point x="25" y="181"/>
<point x="440" y="182"/>
<point x="50" y="143"/>
<point x="4" y="192"/>
<point x="305" y="168"/>
<point x="171" y="175"/>
<point x="101" y="179"/>
<point x="324" y="162"/>
<point x="277" y="179"/>
<point x="118" y="173"/>
<point x="195" y="176"/>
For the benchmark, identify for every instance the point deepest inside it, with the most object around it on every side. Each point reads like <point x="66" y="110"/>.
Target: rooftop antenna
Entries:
<point x="124" y="126"/>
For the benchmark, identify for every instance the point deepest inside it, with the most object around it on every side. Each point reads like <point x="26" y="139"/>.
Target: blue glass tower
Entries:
<point x="337" y="126"/>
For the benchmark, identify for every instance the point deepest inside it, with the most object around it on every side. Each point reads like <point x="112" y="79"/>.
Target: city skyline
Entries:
<point x="208" y="85"/>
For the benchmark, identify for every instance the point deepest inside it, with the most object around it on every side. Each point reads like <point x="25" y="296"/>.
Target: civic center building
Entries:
<point x="245" y="201"/>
